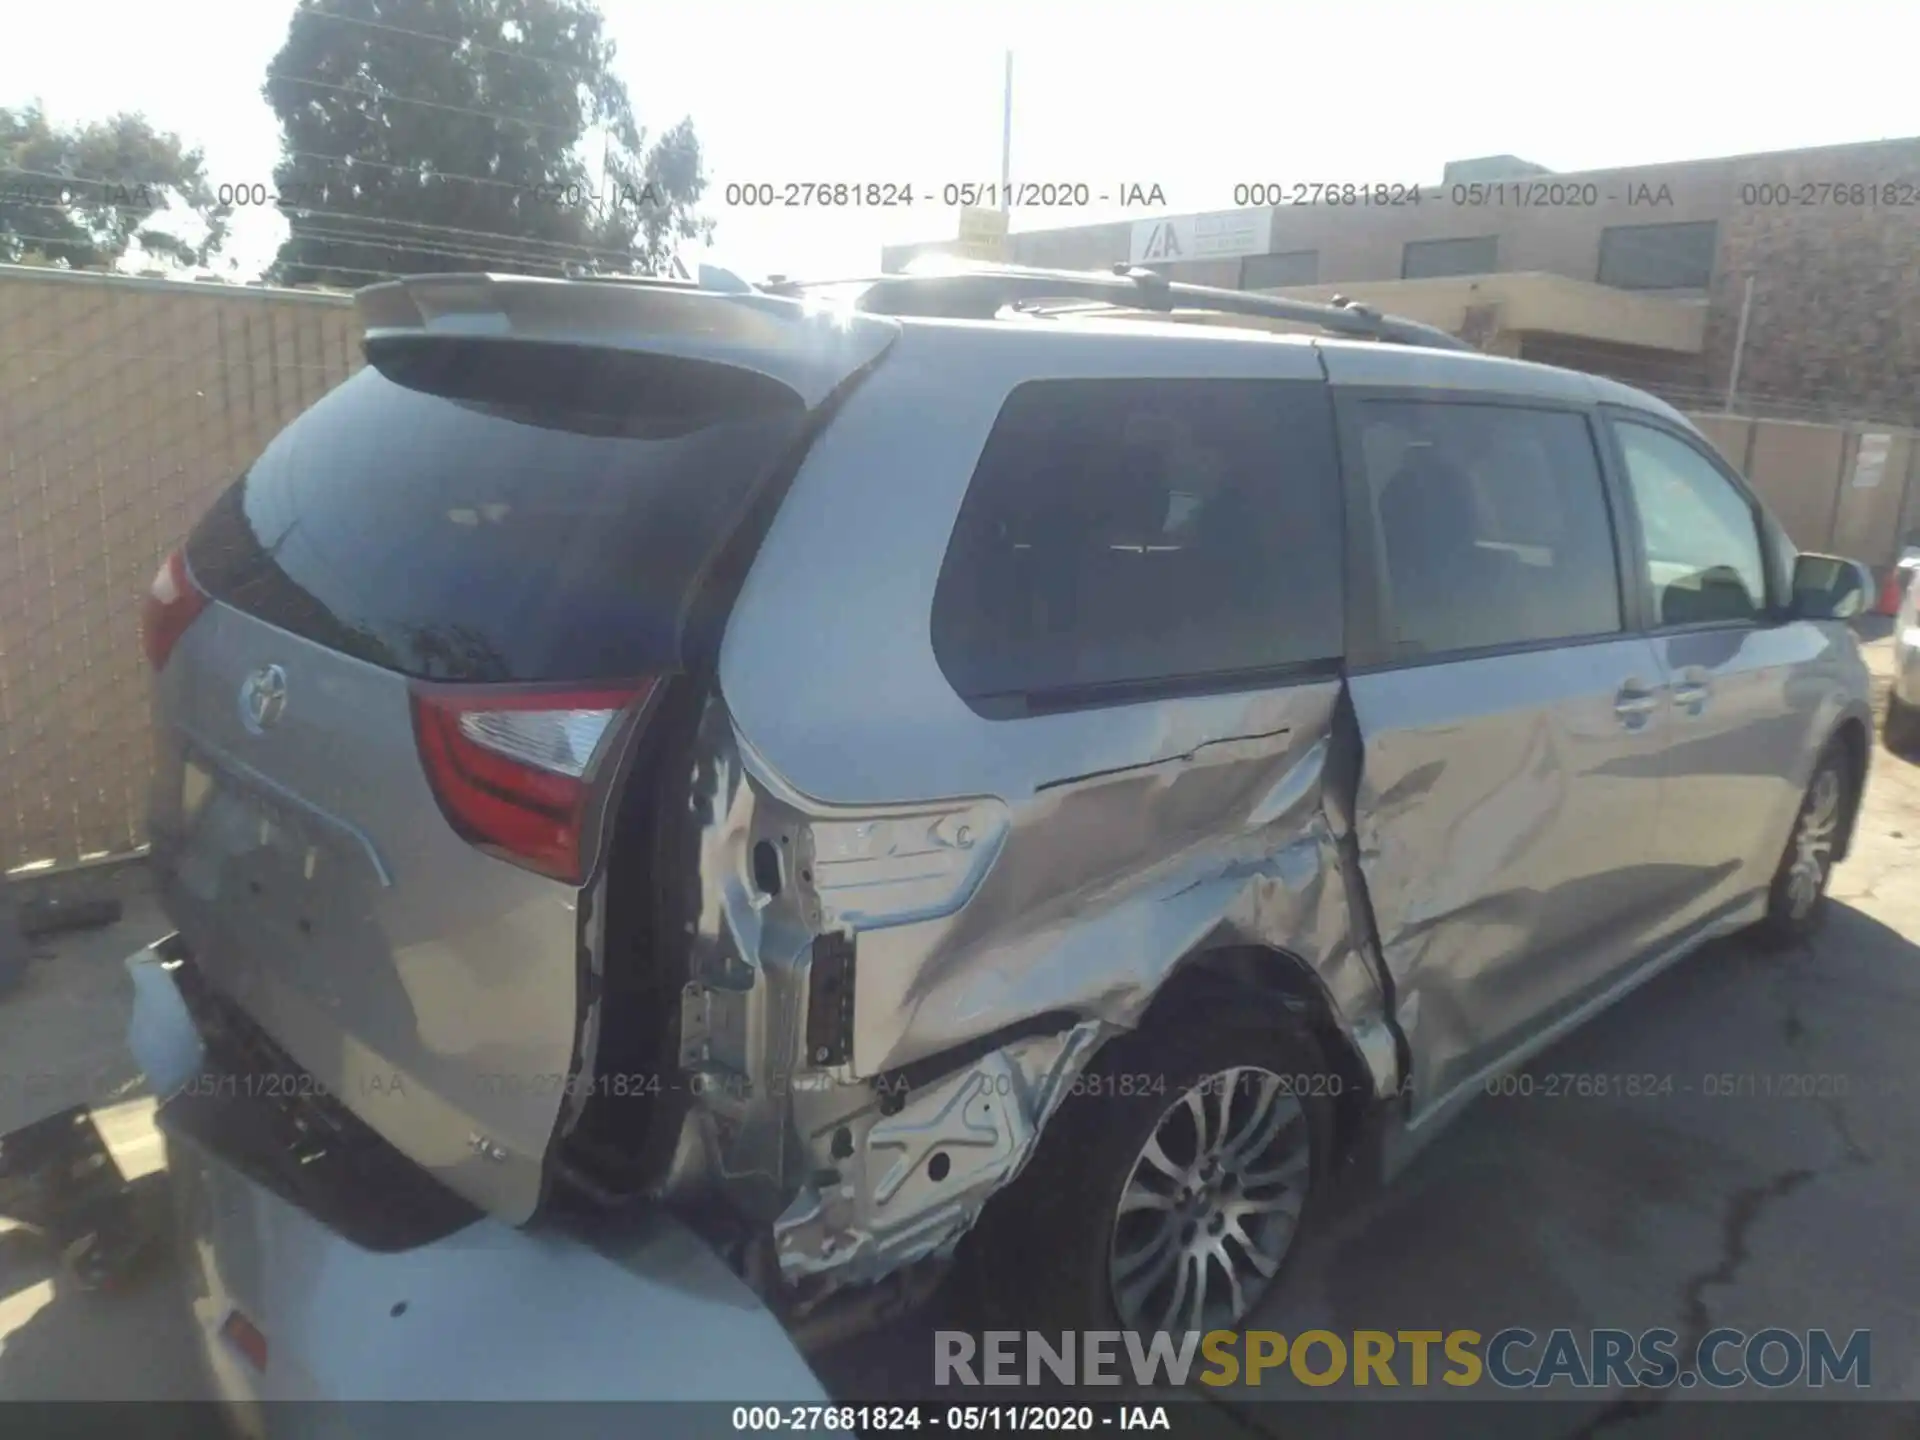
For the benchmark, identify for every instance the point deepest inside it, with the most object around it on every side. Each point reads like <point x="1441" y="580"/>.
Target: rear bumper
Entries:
<point x="640" y="1309"/>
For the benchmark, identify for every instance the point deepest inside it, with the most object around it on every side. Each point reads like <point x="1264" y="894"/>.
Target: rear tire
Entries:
<point x="1797" y="900"/>
<point x="1148" y="1206"/>
<point x="1901" y="732"/>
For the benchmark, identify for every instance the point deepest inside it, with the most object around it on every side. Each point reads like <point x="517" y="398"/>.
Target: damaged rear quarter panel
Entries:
<point x="1107" y="880"/>
<point x="1048" y="872"/>
<point x="1077" y="903"/>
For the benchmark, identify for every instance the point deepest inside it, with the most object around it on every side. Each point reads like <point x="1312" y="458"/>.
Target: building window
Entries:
<point x="1270" y="272"/>
<point x="1425" y="259"/>
<point x="1657" y="257"/>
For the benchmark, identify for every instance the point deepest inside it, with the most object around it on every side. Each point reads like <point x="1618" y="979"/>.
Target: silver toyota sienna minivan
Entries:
<point x="851" y="767"/>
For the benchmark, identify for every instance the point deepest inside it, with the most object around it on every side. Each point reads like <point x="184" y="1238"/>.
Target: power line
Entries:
<point x="69" y="242"/>
<point x="343" y="161"/>
<point x="518" y="250"/>
<point x="518" y="242"/>
<point x="458" y="42"/>
<point x="354" y="162"/>
<point x="495" y="259"/>
<point x="428" y="247"/>
<point x="85" y="180"/>
<point x="76" y="204"/>
<point x="408" y="245"/>
<point x="427" y="104"/>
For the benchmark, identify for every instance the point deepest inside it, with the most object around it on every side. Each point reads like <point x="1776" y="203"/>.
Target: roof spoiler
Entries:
<point x="718" y="318"/>
<point x="983" y="291"/>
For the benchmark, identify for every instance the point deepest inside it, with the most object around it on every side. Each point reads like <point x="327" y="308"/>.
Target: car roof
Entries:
<point x="1346" y="362"/>
<point x="813" y="346"/>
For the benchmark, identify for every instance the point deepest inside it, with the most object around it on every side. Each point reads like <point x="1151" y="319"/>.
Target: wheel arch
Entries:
<point x="1239" y="975"/>
<point x="1854" y="741"/>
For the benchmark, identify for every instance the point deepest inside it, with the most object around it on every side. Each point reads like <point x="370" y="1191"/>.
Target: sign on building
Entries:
<point x="1870" y="461"/>
<point x="983" y="233"/>
<point x="1217" y="235"/>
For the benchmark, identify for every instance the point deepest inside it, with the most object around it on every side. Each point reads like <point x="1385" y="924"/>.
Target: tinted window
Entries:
<point x="1265" y="272"/>
<point x="1704" y="560"/>
<point x="1424" y="259"/>
<point x="1121" y="534"/>
<point x="1657" y="257"/>
<point x="498" y="512"/>
<point x="1493" y="525"/>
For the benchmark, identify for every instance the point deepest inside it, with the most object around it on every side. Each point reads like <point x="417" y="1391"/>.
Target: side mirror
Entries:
<point x="1830" y="587"/>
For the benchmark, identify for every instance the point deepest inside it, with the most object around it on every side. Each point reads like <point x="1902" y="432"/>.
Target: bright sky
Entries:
<point x="1195" y="97"/>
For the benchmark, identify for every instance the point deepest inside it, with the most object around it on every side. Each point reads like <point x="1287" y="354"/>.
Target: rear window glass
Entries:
<point x="468" y="510"/>
<point x="1122" y="537"/>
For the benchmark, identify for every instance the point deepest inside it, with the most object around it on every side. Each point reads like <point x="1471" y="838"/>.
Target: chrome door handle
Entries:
<point x="1692" y="692"/>
<point x="1634" y="702"/>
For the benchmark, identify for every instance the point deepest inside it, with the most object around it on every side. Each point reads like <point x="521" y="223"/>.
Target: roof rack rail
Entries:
<point x="983" y="291"/>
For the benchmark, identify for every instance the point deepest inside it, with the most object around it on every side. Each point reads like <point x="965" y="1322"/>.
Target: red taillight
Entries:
<point x="173" y="603"/>
<point x="510" y="768"/>
<point x="245" y="1336"/>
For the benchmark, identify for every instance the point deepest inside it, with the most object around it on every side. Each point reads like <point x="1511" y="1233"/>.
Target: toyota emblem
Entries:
<point x="263" y="698"/>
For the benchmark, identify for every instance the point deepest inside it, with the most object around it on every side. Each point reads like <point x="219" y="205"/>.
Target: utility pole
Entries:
<point x="606" y="196"/>
<point x="1739" y="345"/>
<point x="1006" y="139"/>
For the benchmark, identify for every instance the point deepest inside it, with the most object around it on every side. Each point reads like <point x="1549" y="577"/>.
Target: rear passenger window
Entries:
<point x="1124" y="536"/>
<point x="1492" y="523"/>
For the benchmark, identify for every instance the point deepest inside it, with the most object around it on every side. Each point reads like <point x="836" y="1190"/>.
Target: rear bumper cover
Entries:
<point x="637" y="1308"/>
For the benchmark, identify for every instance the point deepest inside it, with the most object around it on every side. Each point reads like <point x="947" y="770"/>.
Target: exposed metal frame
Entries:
<point x="982" y="292"/>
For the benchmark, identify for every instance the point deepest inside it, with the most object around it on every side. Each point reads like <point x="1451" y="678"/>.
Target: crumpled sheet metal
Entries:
<point x="972" y="916"/>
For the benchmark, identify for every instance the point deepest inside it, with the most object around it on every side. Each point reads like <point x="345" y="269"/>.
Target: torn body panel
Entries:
<point x="888" y="1003"/>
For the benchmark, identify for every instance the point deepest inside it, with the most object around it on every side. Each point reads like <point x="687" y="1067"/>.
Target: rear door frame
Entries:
<point x="1368" y="651"/>
<point x="1367" y="648"/>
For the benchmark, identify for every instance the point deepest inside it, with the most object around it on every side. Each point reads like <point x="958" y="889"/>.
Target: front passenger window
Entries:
<point x="1703" y="556"/>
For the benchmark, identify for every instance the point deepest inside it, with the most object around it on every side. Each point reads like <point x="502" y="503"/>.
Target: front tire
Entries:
<point x="1797" y="901"/>
<point x="1169" y="1190"/>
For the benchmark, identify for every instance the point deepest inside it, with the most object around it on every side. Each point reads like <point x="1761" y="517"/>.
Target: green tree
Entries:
<point x="87" y="195"/>
<point x="423" y="135"/>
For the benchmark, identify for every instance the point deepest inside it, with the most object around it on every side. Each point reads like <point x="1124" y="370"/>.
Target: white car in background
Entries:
<point x="1903" y="704"/>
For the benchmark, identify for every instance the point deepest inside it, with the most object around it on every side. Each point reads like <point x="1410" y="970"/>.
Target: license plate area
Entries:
<point x="267" y="854"/>
<point x="246" y="1109"/>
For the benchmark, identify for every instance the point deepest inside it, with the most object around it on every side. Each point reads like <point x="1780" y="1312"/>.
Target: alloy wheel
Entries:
<point x="1211" y="1203"/>
<point x="1813" y="836"/>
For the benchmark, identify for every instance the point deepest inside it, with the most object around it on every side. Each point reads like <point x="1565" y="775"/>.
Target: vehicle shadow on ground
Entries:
<point x="62" y="1341"/>
<point x="1565" y="1200"/>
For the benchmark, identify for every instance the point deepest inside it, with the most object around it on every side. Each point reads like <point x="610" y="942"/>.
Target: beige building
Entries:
<point x="1641" y="273"/>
